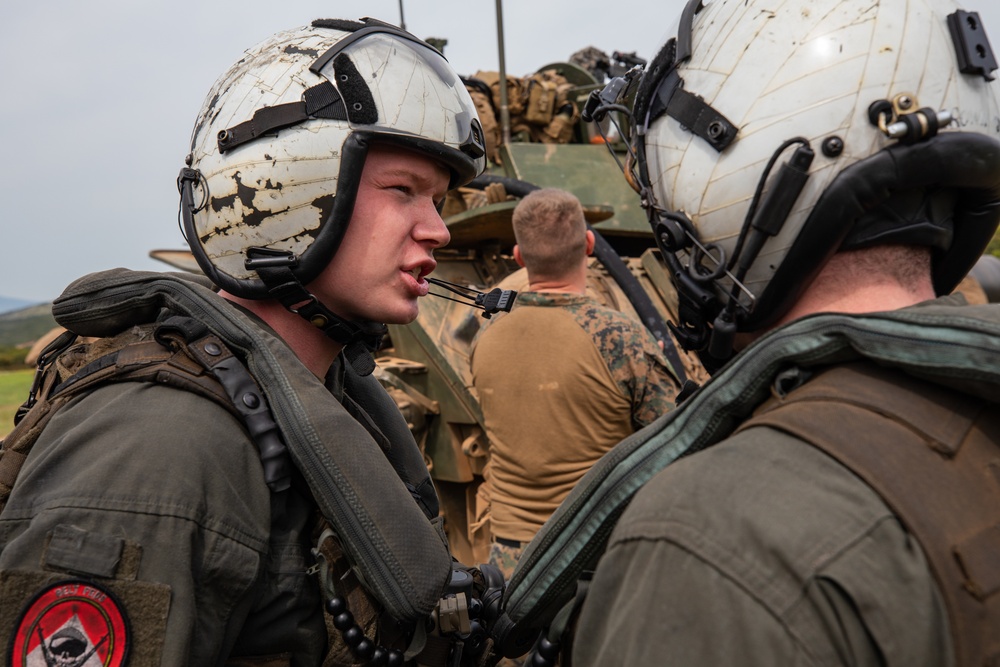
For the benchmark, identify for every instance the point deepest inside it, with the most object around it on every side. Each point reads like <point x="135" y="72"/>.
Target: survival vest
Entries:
<point x="933" y="455"/>
<point x="181" y="352"/>
<point x="943" y="342"/>
<point x="379" y="500"/>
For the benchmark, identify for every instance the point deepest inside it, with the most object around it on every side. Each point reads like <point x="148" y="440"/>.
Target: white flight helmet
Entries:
<point x="882" y="118"/>
<point x="278" y="148"/>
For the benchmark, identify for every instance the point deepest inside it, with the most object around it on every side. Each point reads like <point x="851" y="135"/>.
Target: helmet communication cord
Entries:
<point x="492" y="302"/>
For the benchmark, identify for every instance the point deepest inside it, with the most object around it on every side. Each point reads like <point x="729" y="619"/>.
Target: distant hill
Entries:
<point x="25" y="325"/>
<point x="8" y="304"/>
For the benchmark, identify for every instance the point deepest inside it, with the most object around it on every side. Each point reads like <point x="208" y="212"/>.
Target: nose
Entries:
<point x="430" y="228"/>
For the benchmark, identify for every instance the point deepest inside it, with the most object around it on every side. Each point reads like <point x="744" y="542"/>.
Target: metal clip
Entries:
<point x="903" y="118"/>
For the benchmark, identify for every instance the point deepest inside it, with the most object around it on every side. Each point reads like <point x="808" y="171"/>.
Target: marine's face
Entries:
<point x="380" y="268"/>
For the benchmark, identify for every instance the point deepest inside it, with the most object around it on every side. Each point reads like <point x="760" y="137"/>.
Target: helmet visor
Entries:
<point x="416" y="93"/>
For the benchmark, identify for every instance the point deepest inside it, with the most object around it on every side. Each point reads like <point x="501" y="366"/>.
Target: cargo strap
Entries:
<point x="933" y="455"/>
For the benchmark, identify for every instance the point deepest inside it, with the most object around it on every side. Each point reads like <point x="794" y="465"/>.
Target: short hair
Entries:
<point x="907" y="265"/>
<point x="550" y="230"/>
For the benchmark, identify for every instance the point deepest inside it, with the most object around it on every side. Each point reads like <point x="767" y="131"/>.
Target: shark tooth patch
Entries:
<point x="71" y="624"/>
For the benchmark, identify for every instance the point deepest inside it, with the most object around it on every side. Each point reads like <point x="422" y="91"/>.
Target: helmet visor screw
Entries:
<point x="833" y="146"/>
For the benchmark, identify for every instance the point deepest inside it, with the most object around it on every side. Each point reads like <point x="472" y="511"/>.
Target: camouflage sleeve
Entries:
<point x="653" y="387"/>
<point x="636" y="363"/>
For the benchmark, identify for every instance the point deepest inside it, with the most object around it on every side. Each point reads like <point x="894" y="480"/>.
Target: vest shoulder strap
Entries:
<point x="147" y="353"/>
<point x="933" y="455"/>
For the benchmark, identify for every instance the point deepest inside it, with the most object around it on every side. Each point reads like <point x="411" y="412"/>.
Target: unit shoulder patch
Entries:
<point x="71" y="623"/>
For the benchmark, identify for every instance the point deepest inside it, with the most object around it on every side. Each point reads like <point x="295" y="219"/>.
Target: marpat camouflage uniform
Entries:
<point x="561" y="380"/>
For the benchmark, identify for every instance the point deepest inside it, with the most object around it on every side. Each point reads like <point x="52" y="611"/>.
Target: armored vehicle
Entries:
<point x="543" y="142"/>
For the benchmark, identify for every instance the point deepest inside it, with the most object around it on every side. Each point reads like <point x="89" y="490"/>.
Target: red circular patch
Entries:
<point x="71" y="624"/>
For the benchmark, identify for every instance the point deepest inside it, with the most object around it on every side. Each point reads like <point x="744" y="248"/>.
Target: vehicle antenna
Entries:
<point x="504" y="109"/>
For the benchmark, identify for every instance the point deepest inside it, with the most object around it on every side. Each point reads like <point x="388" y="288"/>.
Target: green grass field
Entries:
<point x="14" y="386"/>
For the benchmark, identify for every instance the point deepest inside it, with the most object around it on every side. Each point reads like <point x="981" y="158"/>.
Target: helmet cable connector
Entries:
<point x="612" y="97"/>
<point x="495" y="301"/>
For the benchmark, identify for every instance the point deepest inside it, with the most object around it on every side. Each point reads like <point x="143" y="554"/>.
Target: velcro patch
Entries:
<point x="56" y="620"/>
<point x="71" y="622"/>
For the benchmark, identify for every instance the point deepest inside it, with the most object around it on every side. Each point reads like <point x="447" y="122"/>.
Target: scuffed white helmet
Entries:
<point x="278" y="148"/>
<point x="771" y="134"/>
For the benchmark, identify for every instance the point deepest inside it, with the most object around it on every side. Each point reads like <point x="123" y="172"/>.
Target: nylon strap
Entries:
<point x="359" y="339"/>
<point x="320" y="101"/>
<point x="206" y="367"/>
<point x="702" y="119"/>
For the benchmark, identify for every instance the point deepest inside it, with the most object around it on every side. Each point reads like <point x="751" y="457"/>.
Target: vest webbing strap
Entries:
<point x="933" y="455"/>
<point x="132" y="359"/>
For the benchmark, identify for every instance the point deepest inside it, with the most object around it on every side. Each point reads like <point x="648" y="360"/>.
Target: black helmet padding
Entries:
<point x="966" y="163"/>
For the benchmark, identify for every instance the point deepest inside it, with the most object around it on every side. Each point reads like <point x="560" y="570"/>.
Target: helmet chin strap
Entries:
<point x="359" y="338"/>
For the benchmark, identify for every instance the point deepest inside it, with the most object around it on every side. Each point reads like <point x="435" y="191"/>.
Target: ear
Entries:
<point x="590" y="243"/>
<point x="517" y="256"/>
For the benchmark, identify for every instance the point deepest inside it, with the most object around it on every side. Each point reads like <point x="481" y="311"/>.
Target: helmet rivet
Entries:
<point x="357" y="106"/>
<point x="833" y="146"/>
<point x="716" y="129"/>
<point x="905" y="102"/>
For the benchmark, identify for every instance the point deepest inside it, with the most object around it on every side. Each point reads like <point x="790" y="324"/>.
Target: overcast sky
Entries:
<point x="99" y="98"/>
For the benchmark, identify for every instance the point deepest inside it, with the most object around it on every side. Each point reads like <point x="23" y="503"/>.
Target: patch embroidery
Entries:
<point x="71" y="624"/>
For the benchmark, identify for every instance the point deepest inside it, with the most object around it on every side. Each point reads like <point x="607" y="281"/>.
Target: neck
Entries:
<point x="313" y="348"/>
<point x="867" y="281"/>
<point x="574" y="283"/>
<point x="861" y="281"/>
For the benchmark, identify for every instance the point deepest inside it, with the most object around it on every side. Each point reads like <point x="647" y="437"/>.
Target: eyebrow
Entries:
<point x="420" y="177"/>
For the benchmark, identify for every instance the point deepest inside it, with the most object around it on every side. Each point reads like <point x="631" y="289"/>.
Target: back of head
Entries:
<point x="550" y="230"/>
<point x="770" y="136"/>
<point x="278" y="147"/>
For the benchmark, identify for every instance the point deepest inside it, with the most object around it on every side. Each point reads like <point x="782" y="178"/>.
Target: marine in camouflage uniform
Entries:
<point x="561" y="379"/>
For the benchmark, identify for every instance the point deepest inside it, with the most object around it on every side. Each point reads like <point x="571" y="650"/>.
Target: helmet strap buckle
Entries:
<point x="274" y="267"/>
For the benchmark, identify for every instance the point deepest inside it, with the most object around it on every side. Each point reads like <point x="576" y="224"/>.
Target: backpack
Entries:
<point x="539" y="105"/>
